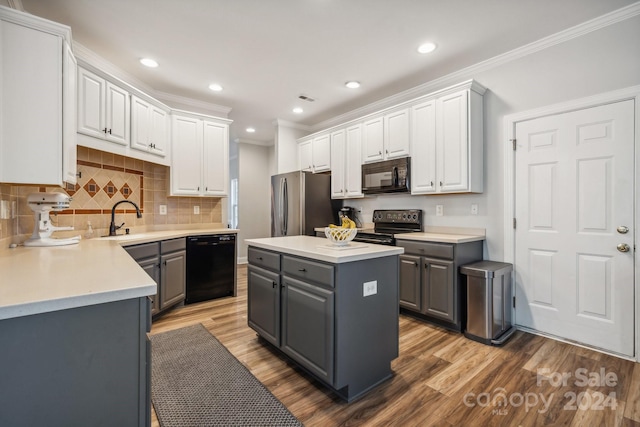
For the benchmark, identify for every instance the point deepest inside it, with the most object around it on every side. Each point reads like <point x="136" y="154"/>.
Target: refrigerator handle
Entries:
<point x="285" y="211"/>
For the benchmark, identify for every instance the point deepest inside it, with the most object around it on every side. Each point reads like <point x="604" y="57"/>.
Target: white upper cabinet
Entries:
<point x="423" y="148"/>
<point x="386" y="137"/>
<point x="346" y="163"/>
<point x="305" y="156"/>
<point x="103" y="108"/>
<point x="338" y="157"/>
<point x="200" y="156"/>
<point x="314" y="155"/>
<point x="216" y="158"/>
<point x="321" y="149"/>
<point x="37" y="69"/>
<point x="149" y="127"/>
<point x="447" y="143"/>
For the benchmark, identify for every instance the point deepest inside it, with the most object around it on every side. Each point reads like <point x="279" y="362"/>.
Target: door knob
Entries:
<point x="623" y="247"/>
<point x="622" y="229"/>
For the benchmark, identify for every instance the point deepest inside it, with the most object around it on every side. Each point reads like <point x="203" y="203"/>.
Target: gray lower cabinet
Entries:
<point x="430" y="282"/>
<point x="165" y="262"/>
<point x="315" y="313"/>
<point x="86" y="366"/>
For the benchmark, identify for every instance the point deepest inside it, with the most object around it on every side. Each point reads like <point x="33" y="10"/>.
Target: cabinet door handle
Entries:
<point x="198" y="188"/>
<point x="386" y="151"/>
<point x="432" y="183"/>
<point x="415" y="263"/>
<point x="104" y="130"/>
<point x="440" y="183"/>
<point x="380" y="152"/>
<point x="109" y="131"/>
<point x="274" y="284"/>
<point x="165" y="262"/>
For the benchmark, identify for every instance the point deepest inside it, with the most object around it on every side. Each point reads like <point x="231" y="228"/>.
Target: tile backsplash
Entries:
<point x="105" y="179"/>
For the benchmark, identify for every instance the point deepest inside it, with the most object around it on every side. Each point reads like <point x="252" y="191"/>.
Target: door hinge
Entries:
<point x="513" y="142"/>
<point x="514" y="223"/>
<point x="514" y="302"/>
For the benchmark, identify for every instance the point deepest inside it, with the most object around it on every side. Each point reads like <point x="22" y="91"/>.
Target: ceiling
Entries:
<point x="265" y="53"/>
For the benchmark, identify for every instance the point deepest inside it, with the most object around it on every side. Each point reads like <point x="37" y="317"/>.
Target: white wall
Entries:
<point x="594" y="63"/>
<point x="286" y="146"/>
<point x="254" y="204"/>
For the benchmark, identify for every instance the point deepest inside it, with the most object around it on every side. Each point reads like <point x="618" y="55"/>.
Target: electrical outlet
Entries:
<point x="370" y="288"/>
<point x="196" y="210"/>
<point x="439" y="210"/>
<point x="163" y="209"/>
<point x="360" y="209"/>
<point x="474" y="209"/>
<point x="5" y="209"/>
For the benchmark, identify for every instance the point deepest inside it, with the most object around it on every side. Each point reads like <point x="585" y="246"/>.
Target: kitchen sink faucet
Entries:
<point x="112" y="226"/>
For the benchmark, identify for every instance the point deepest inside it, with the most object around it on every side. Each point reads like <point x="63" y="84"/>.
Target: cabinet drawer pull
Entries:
<point x="259" y="258"/>
<point x="302" y="269"/>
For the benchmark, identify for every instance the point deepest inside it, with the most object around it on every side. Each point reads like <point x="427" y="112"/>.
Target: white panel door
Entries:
<point x="215" y="159"/>
<point x="574" y="194"/>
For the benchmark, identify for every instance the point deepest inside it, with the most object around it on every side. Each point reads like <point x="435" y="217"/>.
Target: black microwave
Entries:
<point x="389" y="176"/>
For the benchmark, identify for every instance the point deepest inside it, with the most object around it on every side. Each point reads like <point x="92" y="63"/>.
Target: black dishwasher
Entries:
<point x="211" y="267"/>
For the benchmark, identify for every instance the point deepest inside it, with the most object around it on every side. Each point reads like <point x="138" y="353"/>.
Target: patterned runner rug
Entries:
<point x="196" y="381"/>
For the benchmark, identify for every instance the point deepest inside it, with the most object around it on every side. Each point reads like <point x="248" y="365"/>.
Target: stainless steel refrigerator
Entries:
<point x="300" y="202"/>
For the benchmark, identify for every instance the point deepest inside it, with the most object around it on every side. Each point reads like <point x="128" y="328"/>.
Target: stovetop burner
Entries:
<point x="389" y="222"/>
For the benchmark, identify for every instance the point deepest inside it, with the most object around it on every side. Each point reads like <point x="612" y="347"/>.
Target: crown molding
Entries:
<point x="292" y="125"/>
<point x="183" y="101"/>
<point x="579" y="30"/>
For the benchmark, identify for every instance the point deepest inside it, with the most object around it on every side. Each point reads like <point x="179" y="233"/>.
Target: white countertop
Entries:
<point x="321" y="249"/>
<point x="37" y="280"/>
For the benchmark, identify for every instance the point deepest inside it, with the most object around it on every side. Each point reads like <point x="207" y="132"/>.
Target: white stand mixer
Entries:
<point x="41" y="204"/>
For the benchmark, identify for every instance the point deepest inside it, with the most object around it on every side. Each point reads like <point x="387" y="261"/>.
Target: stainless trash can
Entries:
<point x="488" y="302"/>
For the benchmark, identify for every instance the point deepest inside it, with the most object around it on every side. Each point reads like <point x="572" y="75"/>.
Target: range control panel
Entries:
<point x="406" y="216"/>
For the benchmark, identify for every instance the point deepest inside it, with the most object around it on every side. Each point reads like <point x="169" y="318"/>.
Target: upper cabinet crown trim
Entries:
<point x="23" y="18"/>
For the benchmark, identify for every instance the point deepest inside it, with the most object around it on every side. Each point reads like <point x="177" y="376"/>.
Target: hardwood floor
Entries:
<point x="441" y="378"/>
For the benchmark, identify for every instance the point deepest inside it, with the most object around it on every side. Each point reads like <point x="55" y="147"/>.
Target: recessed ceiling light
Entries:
<point x="427" y="47"/>
<point x="251" y="130"/>
<point x="148" y="62"/>
<point x="215" y="87"/>
<point x="352" y="85"/>
<point x="298" y="110"/>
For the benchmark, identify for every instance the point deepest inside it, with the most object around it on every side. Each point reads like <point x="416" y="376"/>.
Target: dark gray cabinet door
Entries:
<point x="152" y="267"/>
<point x="308" y="326"/>
<point x="263" y="303"/>
<point x="173" y="278"/>
<point x="410" y="285"/>
<point x="439" y="289"/>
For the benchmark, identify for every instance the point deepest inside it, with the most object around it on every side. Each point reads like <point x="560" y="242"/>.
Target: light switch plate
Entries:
<point x="370" y="288"/>
<point x="439" y="210"/>
<point x="474" y="209"/>
<point x="163" y="209"/>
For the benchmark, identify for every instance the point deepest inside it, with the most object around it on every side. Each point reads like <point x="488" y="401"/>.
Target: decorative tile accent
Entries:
<point x="110" y="189"/>
<point x="126" y="191"/>
<point x="91" y="187"/>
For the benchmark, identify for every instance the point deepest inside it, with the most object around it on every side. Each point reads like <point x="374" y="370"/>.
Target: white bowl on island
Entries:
<point x="340" y="236"/>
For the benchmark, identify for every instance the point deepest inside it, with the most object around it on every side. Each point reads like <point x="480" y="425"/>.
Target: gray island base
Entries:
<point x="335" y="316"/>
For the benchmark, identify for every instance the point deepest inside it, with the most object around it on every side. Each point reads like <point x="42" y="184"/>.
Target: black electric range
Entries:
<point x="387" y="223"/>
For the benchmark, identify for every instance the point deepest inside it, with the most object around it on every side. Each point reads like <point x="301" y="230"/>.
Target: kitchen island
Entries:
<point x="332" y="310"/>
